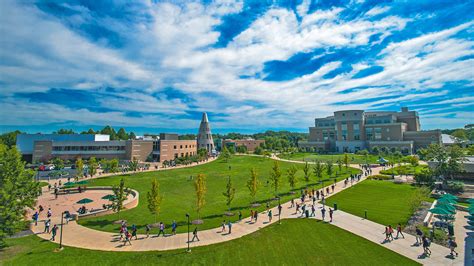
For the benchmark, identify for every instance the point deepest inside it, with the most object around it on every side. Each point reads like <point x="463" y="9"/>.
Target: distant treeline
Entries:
<point x="466" y="133"/>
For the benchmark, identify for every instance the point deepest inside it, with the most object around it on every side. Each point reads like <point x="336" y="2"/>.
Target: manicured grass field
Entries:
<point x="311" y="157"/>
<point x="179" y="194"/>
<point x="386" y="202"/>
<point x="294" y="242"/>
<point x="404" y="170"/>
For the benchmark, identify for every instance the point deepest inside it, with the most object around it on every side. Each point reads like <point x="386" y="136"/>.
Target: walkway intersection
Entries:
<point x="82" y="237"/>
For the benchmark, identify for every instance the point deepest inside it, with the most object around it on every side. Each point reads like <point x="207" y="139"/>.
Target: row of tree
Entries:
<point x="121" y="134"/>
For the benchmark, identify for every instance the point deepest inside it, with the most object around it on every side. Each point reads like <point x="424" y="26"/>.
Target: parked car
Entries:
<point x="49" y="167"/>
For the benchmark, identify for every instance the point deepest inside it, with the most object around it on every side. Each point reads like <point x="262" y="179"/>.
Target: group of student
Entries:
<point x="47" y="222"/>
<point x="127" y="235"/>
<point x="425" y="242"/>
<point x="366" y="170"/>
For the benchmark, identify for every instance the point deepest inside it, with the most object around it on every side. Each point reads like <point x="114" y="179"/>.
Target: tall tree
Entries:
<point x="120" y="195"/>
<point x="113" y="165"/>
<point x="122" y="134"/>
<point x="9" y="138"/>
<point x="291" y="173"/>
<point x="329" y="168"/>
<point x="79" y="168"/>
<point x="92" y="166"/>
<point x="225" y="153"/>
<point x="18" y="191"/>
<point x="133" y="165"/>
<point x="339" y="165"/>
<point x="318" y="169"/>
<point x="275" y="176"/>
<point x="201" y="189"/>
<point x="253" y="184"/>
<point x="154" y="198"/>
<point x="132" y="135"/>
<point x="346" y="161"/>
<point x="307" y="173"/>
<point x="413" y="160"/>
<point x="58" y="163"/>
<point x="229" y="193"/>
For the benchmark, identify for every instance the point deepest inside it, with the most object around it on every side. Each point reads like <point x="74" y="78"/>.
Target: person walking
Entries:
<point x="53" y="232"/>
<point x="399" y="231"/>
<point x="303" y="209"/>
<point x="323" y="213"/>
<point x="223" y="226"/>
<point x="297" y="208"/>
<point x="195" y="234"/>
<point x="331" y="211"/>
<point x="50" y="213"/>
<point x="426" y="245"/>
<point x="387" y="238"/>
<point x="279" y="209"/>
<point x="314" y="200"/>
<point x="292" y="203"/>
<point x="240" y="216"/>
<point x="35" y="218"/>
<point x="174" y="225"/>
<point x="419" y="235"/>
<point x="230" y="227"/>
<point x="270" y="216"/>
<point x="251" y="216"/>
<point x="47" y="224"/>
<point x="134" y="231"/>
<point x="127" y="238"/>
<point x="162" y="229"/>
<point x="452" y="246"/>
<point x="255" y="215"/>
<point x="313" y="209"/>
<point x="147" y="230"/>
<point x="390" y="232"/>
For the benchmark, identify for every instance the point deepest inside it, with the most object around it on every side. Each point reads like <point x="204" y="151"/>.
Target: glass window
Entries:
<point x="378" y="133"/>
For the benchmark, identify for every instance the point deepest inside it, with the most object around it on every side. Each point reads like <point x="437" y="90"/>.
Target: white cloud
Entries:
<point x="377" y="11"/>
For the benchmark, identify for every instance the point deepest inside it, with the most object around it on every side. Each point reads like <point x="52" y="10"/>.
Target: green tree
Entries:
<point x="413" y="160"/>
<point x="9" y="138"/>
<point x="329" y="168"/>
<point x="339" y="165"/>
<point x="133" y="165"/>
<point x="307" y="173"/>
<point x="318" y="169"/>
<point x="113" y="166"/>
<point x="229" y="193"/>
<point x="154" y="198"/>
<point x="92" y="166"/>
<point x="253" y="184"/>
<point x="460" y="134"/>
<point x="58" y="163"/>
<point x="122" y="134"/>
<point x="18" y="191"/>
<point x="346" y="161"/>
<point x="108" y="130"/>
<point x="64" y="131"/>
<point x="79" y="168"/>
<point x="225" y="153"/>
<point x="424" y="177"/>
<point x="448" y="160"/>
<point x="275" y="176"/>
<point x="258" y="150"/>
<point x="120" y="195"/>
<point x="291" y="173"/>
<point x="201" y="189"/>
<point x="132" y="135"/>
<point x="242" y="149"/>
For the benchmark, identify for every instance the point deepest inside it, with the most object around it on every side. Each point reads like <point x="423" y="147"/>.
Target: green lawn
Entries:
<point x="310" y="157"/>
<point x="294" y="242"/>
<point x="386" y="202"/>
<point x="404" y="170"/>
<point x="179" y="194"/>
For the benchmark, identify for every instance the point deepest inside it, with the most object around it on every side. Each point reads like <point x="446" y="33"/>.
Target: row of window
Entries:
<point x="176" y="155"/>
<point x="185" y="146"/>
<point x="88" y="148"/>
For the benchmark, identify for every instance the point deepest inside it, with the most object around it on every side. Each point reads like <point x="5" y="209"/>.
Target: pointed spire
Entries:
<point x="204" y="118"/>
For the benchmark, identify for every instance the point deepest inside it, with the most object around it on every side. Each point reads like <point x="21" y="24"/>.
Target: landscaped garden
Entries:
<point x="177" y="188"/>
<point x="404" y="170"/>
<point x="294" y="242"/>
<point x="311" y="157"/>
<point x="386" y="202"/>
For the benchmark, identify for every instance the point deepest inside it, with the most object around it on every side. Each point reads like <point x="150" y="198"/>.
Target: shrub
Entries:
<point x="456" y="187"/>
<point x="424" y="177"/>
<point x="379" y="177"/>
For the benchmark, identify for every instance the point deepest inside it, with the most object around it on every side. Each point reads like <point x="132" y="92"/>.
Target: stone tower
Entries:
<point x="204" y="137"/>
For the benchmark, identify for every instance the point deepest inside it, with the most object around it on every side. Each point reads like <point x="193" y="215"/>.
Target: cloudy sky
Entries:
<point x="253" y="65"/>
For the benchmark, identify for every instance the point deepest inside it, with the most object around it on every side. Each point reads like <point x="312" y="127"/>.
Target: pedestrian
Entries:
<point x="426" y="245"/>
<point x="292" y="203"/>
<point x="174" y="225"/>
<point x="314" y="200"/>
<point x="49" y="187"/>
<point x="223" y="226"/>
<point x="323" y="213"/>
<point x="268" y="206"/>
<point x="122" y="232"/>
<point x="256" y="215"/>
<point x="390" y="232"/>
<point x="399" y="231"/>
<point x="419" y="235"/>
<point x="162" y="229"/>
<point x="251" y="216"/>
<point x="147" y="230"/>
<point x="56" y="192"/>
<point x="297" y="208"/>
<point x="332" y="188"/>
<point x="128" y="238"/>
<point x="313" y="209"/>
<point x="279" y="209"/>
<point x="331" y="211"/>
<point x="240" y="216"/>
<point x="41" y="209"/>
<point x="270" y="216"/>
<point x="327" y="190"/>
<point x="49" y="213"/>
<point x="53" y="232"/>
<point x="35" y="218"/>
<point x="317" y="194"/>
<point x="452" y="245"/>
<point x="195" y="234"/>
<point x="303" y="209"/>
<point x="47" y="224"/>
<point x="134" y="231"/>
<point x="387" y="238"/>
<point x="230" y="227"/>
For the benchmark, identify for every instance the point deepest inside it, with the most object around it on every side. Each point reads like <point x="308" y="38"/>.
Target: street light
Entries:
<point x="61" y="232"/>
<point x="279" y="210"/>
<point x="189" y="249"/>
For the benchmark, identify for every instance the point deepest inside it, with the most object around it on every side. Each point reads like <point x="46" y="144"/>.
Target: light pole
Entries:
<point x="279" y="210"/>
<point x="61" y="232"/>
<point x="189" y="249"/>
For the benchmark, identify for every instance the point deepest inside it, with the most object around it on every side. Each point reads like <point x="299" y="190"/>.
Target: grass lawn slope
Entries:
<point x="179" y="195"/>
<point x="386" y="202"/>
<point x="294" y="242"/>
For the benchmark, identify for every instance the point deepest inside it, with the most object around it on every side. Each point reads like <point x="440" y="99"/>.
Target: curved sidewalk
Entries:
<point x="79" y="236"/>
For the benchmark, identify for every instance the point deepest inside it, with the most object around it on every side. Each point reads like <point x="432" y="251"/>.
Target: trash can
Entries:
<point x="306" y="213"/>
<point x="335" y="206"/>
<point x="450" y="229"/>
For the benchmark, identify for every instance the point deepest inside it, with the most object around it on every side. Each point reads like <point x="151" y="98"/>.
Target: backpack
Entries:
<point x="454" y="244"/>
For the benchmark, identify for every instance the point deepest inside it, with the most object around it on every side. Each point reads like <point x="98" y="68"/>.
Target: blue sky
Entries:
<point x="253" y="65"/>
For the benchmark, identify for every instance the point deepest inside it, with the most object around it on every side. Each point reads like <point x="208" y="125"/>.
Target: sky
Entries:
<point x="152" y="66"/>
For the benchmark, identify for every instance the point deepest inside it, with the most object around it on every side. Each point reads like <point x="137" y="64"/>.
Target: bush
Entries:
<point x="424" y="177"/>
<point x="456" y="187"/>
<point x="379" y="177"/>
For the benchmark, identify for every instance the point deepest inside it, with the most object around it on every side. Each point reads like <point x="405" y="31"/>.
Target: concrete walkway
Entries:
<point x="79" y="236"/>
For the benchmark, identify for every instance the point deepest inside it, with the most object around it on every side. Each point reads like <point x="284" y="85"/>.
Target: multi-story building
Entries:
<point x="44" y="147"/>
<point x="353" y="130"/>
<point x="250" y="144"/>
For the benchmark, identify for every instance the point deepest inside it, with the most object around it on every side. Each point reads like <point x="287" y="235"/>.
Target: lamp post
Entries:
<point x="279" y="210"/>
<point x="189" y="249"/>
<point x="61" y="232"/>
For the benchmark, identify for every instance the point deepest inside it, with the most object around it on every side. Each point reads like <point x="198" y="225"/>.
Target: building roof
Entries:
<point x="448" y="139"/>
<point x="25" y="142"/>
